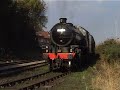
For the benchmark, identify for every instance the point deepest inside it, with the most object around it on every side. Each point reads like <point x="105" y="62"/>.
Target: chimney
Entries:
<point x="63" y="20"/>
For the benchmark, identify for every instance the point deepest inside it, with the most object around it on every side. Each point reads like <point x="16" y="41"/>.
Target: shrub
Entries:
<point x="109" y="50"/>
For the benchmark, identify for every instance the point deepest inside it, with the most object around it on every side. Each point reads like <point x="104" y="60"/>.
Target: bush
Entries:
<point x="107" y="69"/>
<point x="109" y="50"/>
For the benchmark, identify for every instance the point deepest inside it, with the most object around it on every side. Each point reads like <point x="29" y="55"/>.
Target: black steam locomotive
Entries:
<point x="68" y="44"/>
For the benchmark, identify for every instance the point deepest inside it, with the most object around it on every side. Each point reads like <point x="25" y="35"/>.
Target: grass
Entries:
<point x="107" y="76"/>
<point x="77" y="81"/>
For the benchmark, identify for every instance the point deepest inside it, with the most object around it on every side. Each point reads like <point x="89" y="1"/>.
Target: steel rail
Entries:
<point x="21" y="80"/>
<point x="21" y="69"/>
<point x="20" y="65"/>
<point x="43" y="83"/>
<point x="33" y="85"/>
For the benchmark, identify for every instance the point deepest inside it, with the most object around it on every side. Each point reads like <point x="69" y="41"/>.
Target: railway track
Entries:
<point x="11" y="70"/>
<point x="44" y="80"/>
<point x="10" y="63"/>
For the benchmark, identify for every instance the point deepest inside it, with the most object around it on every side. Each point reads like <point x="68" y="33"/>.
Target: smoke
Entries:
<point x="62" y="8"/>
<point x="65" y="9"/>
<point x="59" y="9"/>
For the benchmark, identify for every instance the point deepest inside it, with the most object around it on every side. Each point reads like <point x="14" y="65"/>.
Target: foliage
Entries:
<point x="33" y="10"/>
<point x="109" y="50"/>
<point x="19" y="20"/>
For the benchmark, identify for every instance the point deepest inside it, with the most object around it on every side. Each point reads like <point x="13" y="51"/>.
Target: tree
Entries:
<point x="19" y="20"/>
<point x="34" y="10"/>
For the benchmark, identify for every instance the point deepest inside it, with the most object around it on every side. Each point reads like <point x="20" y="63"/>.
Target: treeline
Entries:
<point x="19" y="20"/>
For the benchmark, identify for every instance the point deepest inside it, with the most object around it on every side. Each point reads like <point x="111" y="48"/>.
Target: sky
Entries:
<point x="100" y="17"/>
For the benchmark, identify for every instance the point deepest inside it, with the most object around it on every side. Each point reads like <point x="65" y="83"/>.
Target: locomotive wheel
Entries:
<point x="68" y="66"/>
<point x="69" y="69"/>
<point x="78" y="61"/>
<point x="50" y="66"/>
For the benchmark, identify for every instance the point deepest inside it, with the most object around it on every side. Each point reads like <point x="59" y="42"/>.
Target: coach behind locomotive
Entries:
<point x="68" y="44"/>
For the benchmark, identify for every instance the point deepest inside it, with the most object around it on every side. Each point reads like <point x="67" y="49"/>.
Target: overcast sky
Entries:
<point x="100" y="17"/>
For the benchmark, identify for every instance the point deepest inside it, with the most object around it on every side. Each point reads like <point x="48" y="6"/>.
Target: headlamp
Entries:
<point x="61" y="30"/>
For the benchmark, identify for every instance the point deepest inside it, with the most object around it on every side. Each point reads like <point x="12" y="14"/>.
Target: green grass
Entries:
<point x="77" y="81"/>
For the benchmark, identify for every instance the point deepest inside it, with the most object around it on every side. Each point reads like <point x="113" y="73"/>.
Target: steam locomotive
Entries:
<point x="68" y="44"/>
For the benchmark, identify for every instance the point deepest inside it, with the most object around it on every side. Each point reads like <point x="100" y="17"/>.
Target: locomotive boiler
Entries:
<point x="68" y="44"/>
